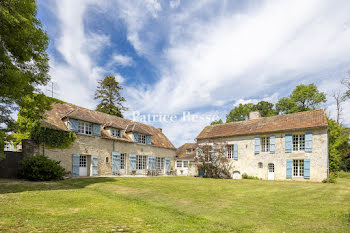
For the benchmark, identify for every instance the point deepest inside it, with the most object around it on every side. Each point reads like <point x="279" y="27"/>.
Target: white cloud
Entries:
<point x="121" y="60"/>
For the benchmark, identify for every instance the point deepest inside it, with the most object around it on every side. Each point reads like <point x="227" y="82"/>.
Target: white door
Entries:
<point x="122" y="164"/>
<point x="271" y="172"/>
<point x="82" y="165"/>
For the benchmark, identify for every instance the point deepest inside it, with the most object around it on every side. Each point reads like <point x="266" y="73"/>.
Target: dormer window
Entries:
<point x="85" y="127"/>
<point x="142" y="138"/>
<point x="115" y="132"/>
<point x="188" y="151"/>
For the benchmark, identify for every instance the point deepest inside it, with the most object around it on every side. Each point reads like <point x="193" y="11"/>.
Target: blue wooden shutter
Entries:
<point x="272" y="144"/>
<point x="288" y="139"/>
<point x="307" y="168"/>
<point x="308" y="142"/>
<point x="96" y="130"/>
<point x="115" y="162"/>
<point x="289" y="166"/>
<point x="75" y="165"/>
<point x="132" y="162"/>
<point x="167" y="164"/>
<point x="136" y="137"/>
<point x="235" y="152"/>
<point x="73" y="125"/>
<point x="94" y="165"/>
<point x="257" y="145"/>
<point x="149" y="140"/>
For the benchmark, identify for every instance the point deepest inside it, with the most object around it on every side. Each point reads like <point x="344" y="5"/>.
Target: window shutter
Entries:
<point x="136" y="137"/>
<point x="257" y="145"/>
<point x="288" y="139"/>
<point x="235" y="152"/>
<point x="132" y="162"/>
<point x="308" y="142"/>
<point x="115" y="162"/>
<point x="289" y="168"/>
<point x="94" y="163"/>
<point x="73" y="125"/>
<point x="96" y="130"/>
<point x="167" y="164"/>
<point x="149" y="140"/>
<point x="75" y="165"/>
<point x="307" y="168"/>
<point x="272" y="144"/>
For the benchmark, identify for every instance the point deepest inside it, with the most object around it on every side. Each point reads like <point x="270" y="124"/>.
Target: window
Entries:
<point x="160" y="163"/>
<point x="82" y="161"/>
<point x="298" y="168"/>
<point x="179" y="163"/>
<point x="140" y="162"/>
<point x="298" y="142"/>
<point x="122" y="161"/>
<point x="115" y="132"/>
<point x="84" y="127"/>
<point x="230" y="151"/>
<point x="107" y="159"/>
<point x="260" y="165"/>
<point x="188" y="151"/>
<point x="265" y="144"/>
<point x="185" y="163"/>
<point x="142" y="139"/>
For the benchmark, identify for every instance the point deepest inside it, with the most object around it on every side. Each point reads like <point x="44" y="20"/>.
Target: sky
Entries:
<point x="183" y="64"/>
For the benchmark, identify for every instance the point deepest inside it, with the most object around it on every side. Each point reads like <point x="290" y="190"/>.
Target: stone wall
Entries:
<point x="94" y="145"/>
<point x="248" y="161"/>
<point x="9" y="166"/>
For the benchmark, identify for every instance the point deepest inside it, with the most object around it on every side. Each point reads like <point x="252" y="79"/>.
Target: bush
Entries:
<point x="331" y="179"/>
<point x="40" y="168"/>
<point x="245" y="176"/>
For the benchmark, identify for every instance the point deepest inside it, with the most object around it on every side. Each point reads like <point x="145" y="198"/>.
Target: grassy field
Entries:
<point x="174" y="204"/>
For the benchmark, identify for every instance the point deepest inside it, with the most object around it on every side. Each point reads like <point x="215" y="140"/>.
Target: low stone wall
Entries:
<point x="9" y="166"/>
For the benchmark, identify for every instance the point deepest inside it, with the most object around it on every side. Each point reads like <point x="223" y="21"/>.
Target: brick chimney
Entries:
<point x="254" y="115"/>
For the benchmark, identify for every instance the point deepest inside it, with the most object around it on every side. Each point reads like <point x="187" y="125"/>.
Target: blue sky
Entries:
<point x="197" y="57"/>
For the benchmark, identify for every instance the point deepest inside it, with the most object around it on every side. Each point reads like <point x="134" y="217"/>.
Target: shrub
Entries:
<point x="40" y="168"/>
<point x="245" y="176"/>
<point x="331" y="179"/>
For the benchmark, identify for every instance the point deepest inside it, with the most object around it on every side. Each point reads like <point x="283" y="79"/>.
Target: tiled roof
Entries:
<point x="137" y="127"/>
<point x="181" y="151"/>
<point x="55" y="119"/>
<point x="280" y="123"/>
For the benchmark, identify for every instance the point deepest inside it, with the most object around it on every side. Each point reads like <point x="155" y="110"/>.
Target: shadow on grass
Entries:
<point x="16" y="185"/>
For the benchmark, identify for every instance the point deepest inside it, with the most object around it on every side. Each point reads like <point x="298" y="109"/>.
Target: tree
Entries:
<point x="241" y="112"/>
<point x="23" y="58"/>
<point x="217" y="122"/>
<point x="265" y="108"/>
<point x="303" y="98"/>
<point x="338" y="138"/>
<point x="339" y="100"/>
<point x="108" y="92"/>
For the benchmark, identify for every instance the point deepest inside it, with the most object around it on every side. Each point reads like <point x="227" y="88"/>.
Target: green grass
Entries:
<point x="174" y="204"/>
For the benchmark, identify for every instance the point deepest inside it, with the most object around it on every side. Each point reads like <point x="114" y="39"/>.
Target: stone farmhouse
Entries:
<point x="291" y="146"/>
<point x="185" y="164"/>
<point x="108" y="145"/>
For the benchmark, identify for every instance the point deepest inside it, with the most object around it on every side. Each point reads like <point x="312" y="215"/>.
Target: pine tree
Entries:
<point x="108" y="92"/>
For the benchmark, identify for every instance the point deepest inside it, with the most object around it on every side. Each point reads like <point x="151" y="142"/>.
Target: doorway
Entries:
<point x="83" y="165"/>
<point x="271" y="171"/>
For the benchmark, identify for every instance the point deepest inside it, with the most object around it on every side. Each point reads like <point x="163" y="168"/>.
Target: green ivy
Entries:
<point x="51" y="137"/>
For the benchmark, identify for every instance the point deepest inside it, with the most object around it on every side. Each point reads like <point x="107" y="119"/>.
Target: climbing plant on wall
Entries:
<point x="51" y="137"/>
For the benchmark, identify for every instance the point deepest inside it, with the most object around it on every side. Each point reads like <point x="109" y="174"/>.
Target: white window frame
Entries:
<point x="115" y="132"/>
<point x="83" y="161"/>
<point x="122" y="160"/>
<point x="179" y="162"/>
<point x="265" y="144"/>
<point x="298" y="167"/>
<point x="142" y="139"/>
<point x="85" y="127"/>
<point x="141" y="162"/>
<point x="298" y="142"/>
<point x="230" y="151"/>
<point x="185" y="164"/>
<point x="160" y="163"/>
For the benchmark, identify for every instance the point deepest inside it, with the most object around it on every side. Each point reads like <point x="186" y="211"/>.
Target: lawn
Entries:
<point x="174" y="204"/>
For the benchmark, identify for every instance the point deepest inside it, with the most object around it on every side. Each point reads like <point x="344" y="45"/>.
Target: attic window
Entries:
<point x="115" y="132"/>
<point x="188" y="151"/>
<point x="84" y="127"/>
<point x="142" y="139"/>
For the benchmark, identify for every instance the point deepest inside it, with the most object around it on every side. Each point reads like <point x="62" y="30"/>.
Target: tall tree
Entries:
<point x="303" y="98"/>
<point x="241" y="112"/>
<point x="339" y="100"/>
<point x="23" y="57"/>
<point x="217" y="122"/>
<point x="108" y="92"/>
<point x="265" y="108"/>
